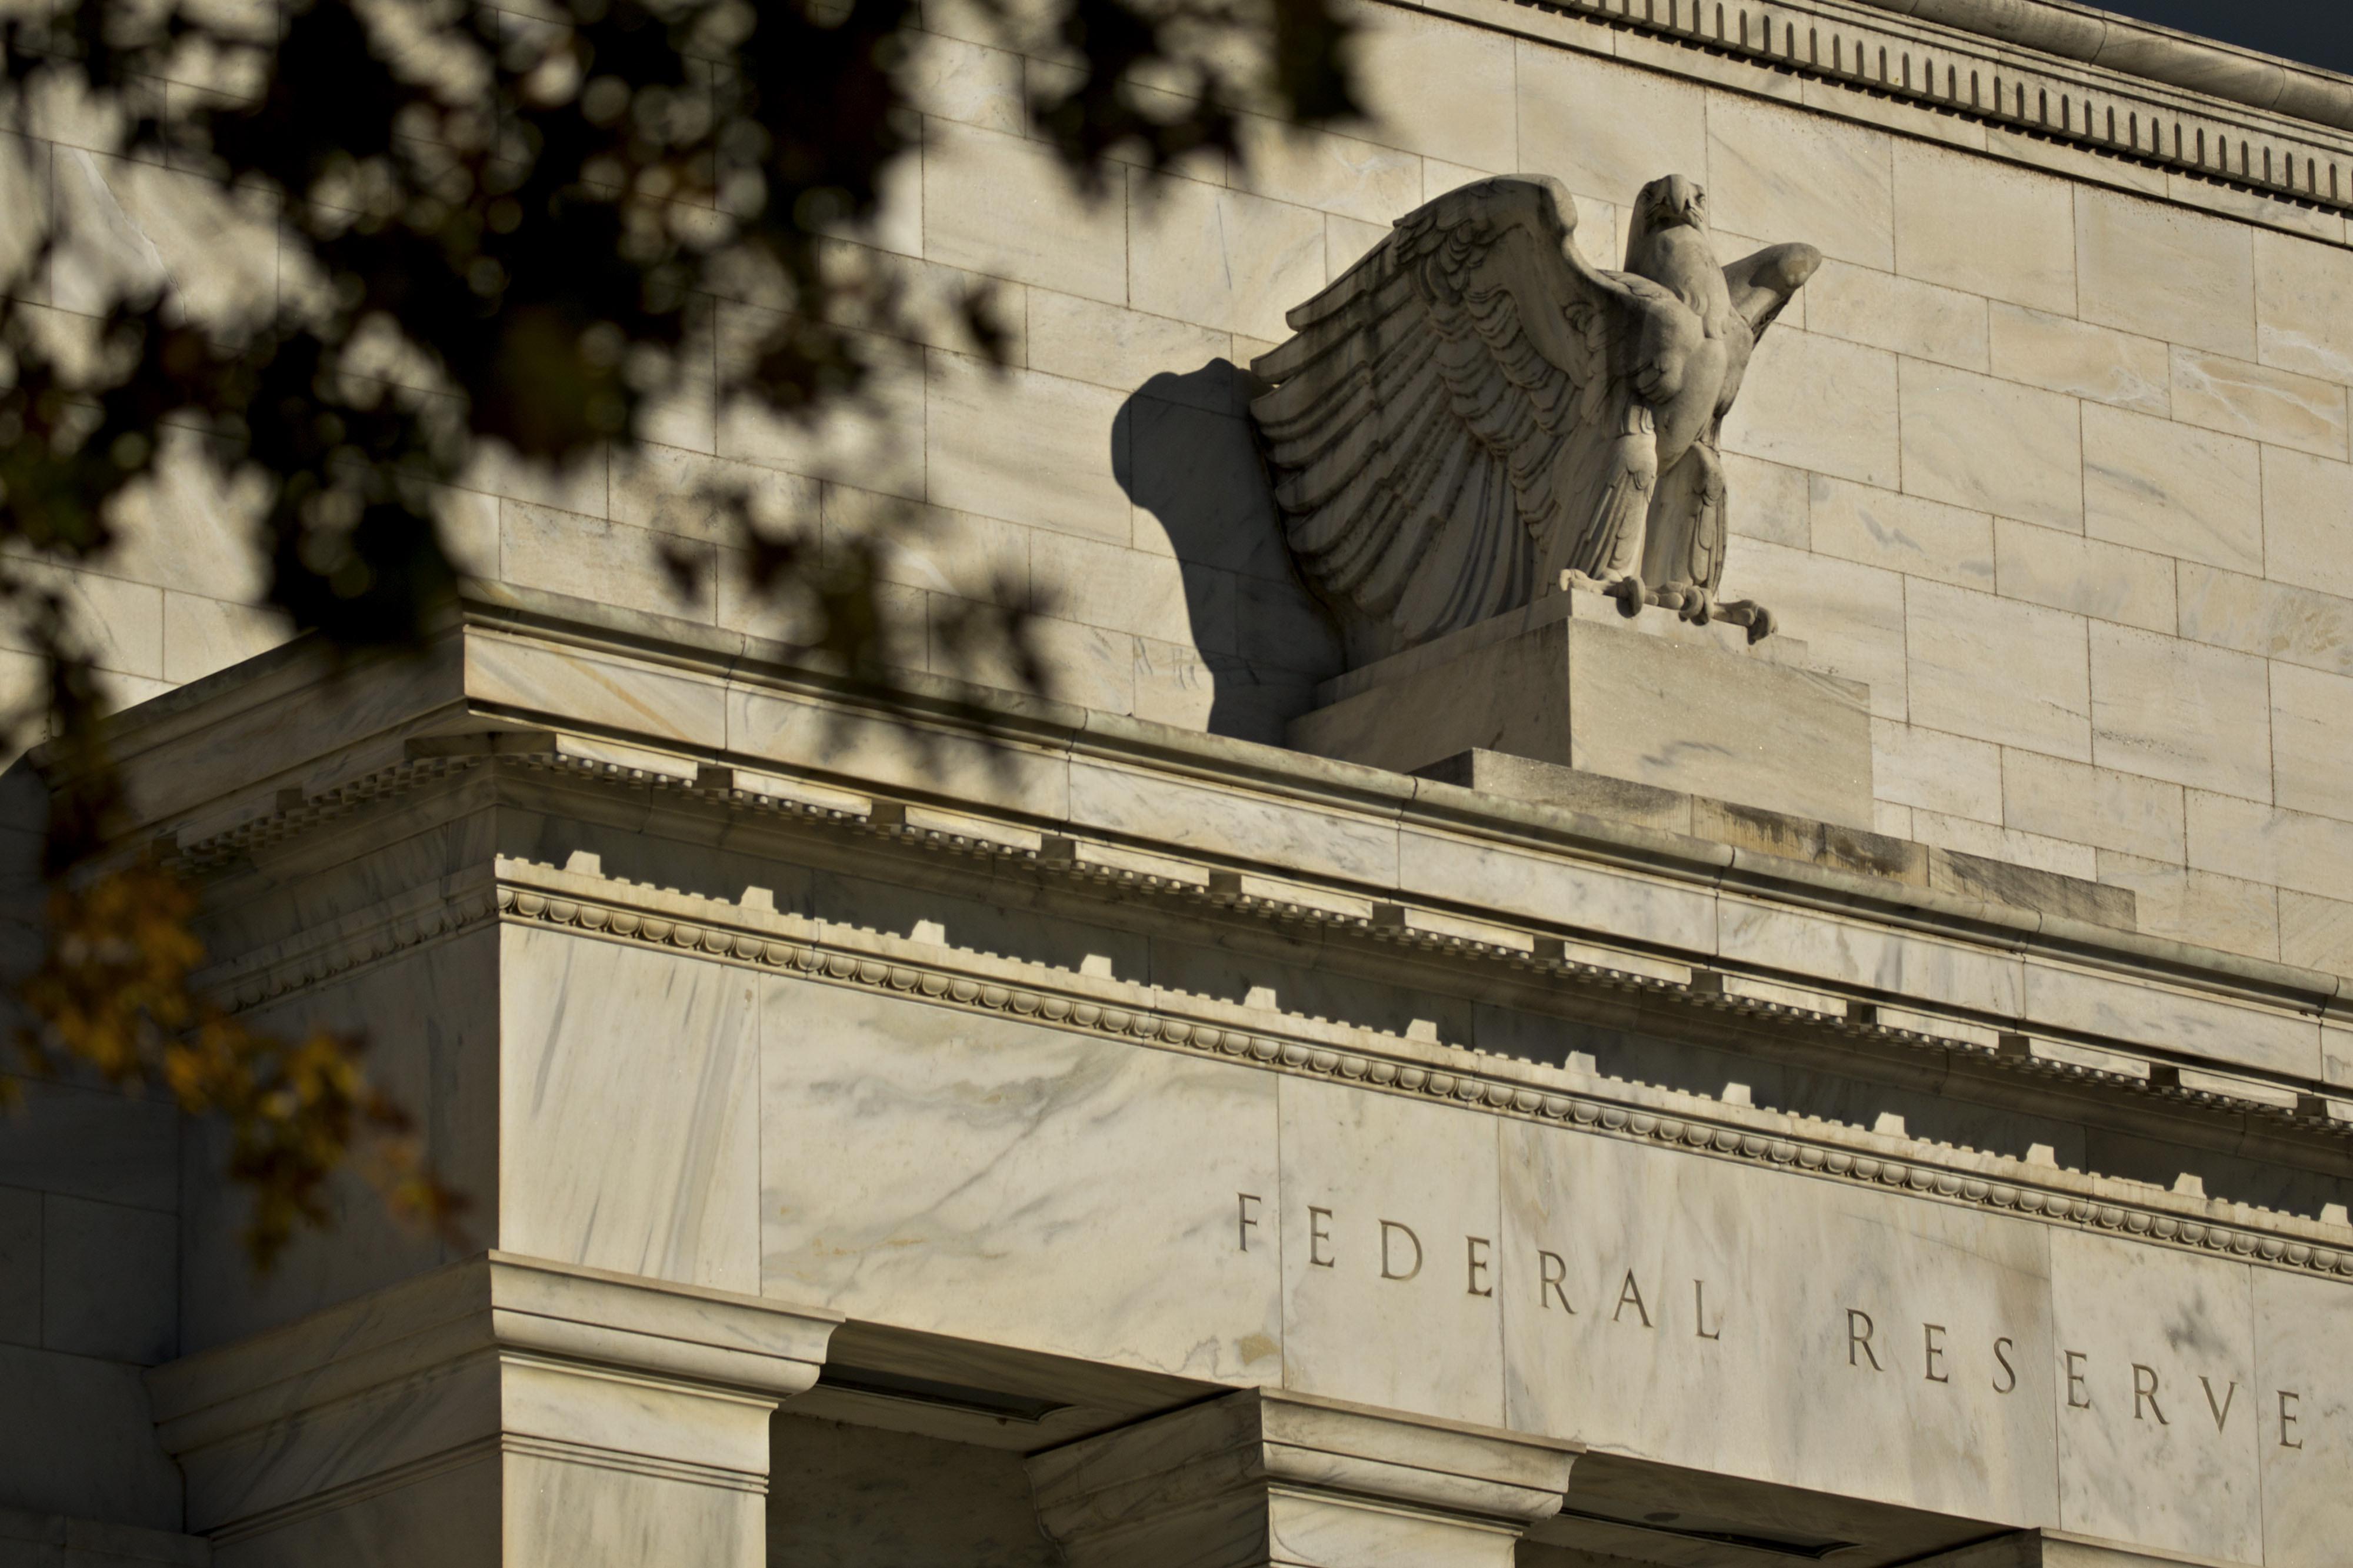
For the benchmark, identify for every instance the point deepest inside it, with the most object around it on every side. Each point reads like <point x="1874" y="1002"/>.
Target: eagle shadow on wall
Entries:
<point x="1475" y="415"/>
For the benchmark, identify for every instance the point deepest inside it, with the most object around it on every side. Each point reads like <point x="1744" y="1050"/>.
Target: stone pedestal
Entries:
<point x="1264" y="1478"/>
<point x="1654" y="701"/>
<point x="500" y="1411"/>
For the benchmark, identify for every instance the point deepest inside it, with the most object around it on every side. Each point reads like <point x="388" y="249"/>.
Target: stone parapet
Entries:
<point x="2168" y="113"/>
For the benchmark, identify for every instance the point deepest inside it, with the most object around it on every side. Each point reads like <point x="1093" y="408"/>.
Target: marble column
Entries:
<point x="502" y="1411"/>
<point x="1264" y="1478"/>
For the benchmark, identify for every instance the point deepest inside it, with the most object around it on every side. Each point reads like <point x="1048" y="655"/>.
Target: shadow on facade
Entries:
<point x="1183" y="451"/>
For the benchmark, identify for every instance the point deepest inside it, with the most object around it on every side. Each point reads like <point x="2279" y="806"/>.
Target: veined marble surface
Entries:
<point x="1697" y="1313"/>
<point x="989" y="1178"/>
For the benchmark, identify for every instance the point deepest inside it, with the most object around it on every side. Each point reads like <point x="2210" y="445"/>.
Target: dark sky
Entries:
<point x="2317" y="32"/>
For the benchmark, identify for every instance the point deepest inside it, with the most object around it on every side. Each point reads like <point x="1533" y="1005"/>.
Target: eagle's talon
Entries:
<point x="1630" y="595"/>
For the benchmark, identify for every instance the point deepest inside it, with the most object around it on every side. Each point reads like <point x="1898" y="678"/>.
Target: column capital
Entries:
<point x="485" y="1367"/>
<point x="1263" y="1477"/>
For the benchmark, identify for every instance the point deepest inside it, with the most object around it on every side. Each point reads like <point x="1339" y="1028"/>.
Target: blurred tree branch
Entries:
<point x="502" y="230"/>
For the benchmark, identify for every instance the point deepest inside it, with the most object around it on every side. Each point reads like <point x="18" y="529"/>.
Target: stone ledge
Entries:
<point x="1785" y="836"/>
<point x="1048" y="768"/>
<point x="1856" y="62"/>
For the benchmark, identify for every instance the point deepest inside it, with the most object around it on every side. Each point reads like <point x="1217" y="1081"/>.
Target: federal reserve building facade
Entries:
<point x="1676" y="890"/>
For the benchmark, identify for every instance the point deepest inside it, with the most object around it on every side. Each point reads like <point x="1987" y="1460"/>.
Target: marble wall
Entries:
<point x="993" y="1180"/>
<point x="2059" y="467"/>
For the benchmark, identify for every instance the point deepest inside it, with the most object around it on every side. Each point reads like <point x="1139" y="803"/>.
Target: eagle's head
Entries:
<point x="1671" y="202"/>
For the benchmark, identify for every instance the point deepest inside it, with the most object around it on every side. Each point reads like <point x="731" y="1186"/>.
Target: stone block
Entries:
<point x="1148" y="593"/>
<point x="1767" y="501"/>
<point x="2138" y="260"/>
<point x="1030" y="448"/>
<point x="1005" y="207"/>
<point x="936" y="1170"/>
<point x="1959" y="838"/>
<point x="2274" y="620"/>
<point x="185" y="526"/>
<point x="1818" y="403"/>
<point x="1991" y="446"/>
<point x="1900" y="314"/>
<point x="2067" y="894"/>
<point x="2315" y="933"/>
<point x="2307" y="514"/>
<point x="2259" y="403"/>
<point x="1549" y="684"/>
<point x="1668" y="1332"/>
<point x="2164" y="486"/>
<point x="1897" y="532"/>
<point x="120" y="623"/>
<point x="589" y="558"/>
<point x="1347" y="242"/>
<point x="1787" y="174"/>
<point x="1435" y="86"/>
<point x="1850" y="617"/>
<point x="2060" y="354"/>
<point x="2304" y="306"/>
<point x="1982" y="227"/>
<point x="2301" y="1416"/>
<point x="1203" y="818"/>
<point x="2311" y="749"/>
<point x="2171" y="710"/>
<point x="2145" y="1326"/>
<point x="92" y="1143"/>
<point x="2199" y="907"/>
<point x="1331" y="173"/>
<point x="20" y="1266"/>
<point x="1385" y="1261"/>
<point x="2135" y="1013"/>
<point x="874" y="441"/>
<point x="681" y="493"/>
<point x="1604" y="129"/>
<point x="2260" y="843"/>
<point x="1993" y="669"/>
<point x="2099" y="806"/>
<point x="1221" y="258"/>
<point x="1919" y="767"/>
<point x="1082" y="340"/>
<point x="1093" y="667"/>
<point x="80" y="1440"/>
<point x="110" y="1280"/>
<point x="971" y="83"/>
<point x="1551" y="783"/>
<point x="1553" y="890"/>
<point x="127" y="227"/>
<point x="1868" y="854"/>
<point x="984" y="559"/>
<point x="2087" y="576"/>
<point x="201" y="635"/>
<point x="626" y="1143"/>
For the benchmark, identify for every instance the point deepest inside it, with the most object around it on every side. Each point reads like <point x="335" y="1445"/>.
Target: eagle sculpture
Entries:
<point x="1475" y="415"/>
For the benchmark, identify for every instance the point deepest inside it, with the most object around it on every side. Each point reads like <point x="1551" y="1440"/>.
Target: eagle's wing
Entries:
<point x="1456" y="413"/>
<point x="1765" y="280"/>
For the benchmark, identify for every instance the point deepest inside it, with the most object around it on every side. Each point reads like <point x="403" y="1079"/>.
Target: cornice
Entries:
<point x="2163" y="113"/>
<point x="750" y="936"/>
<point x="2133" y="47"/>
<point x="1268" y="1038"/>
